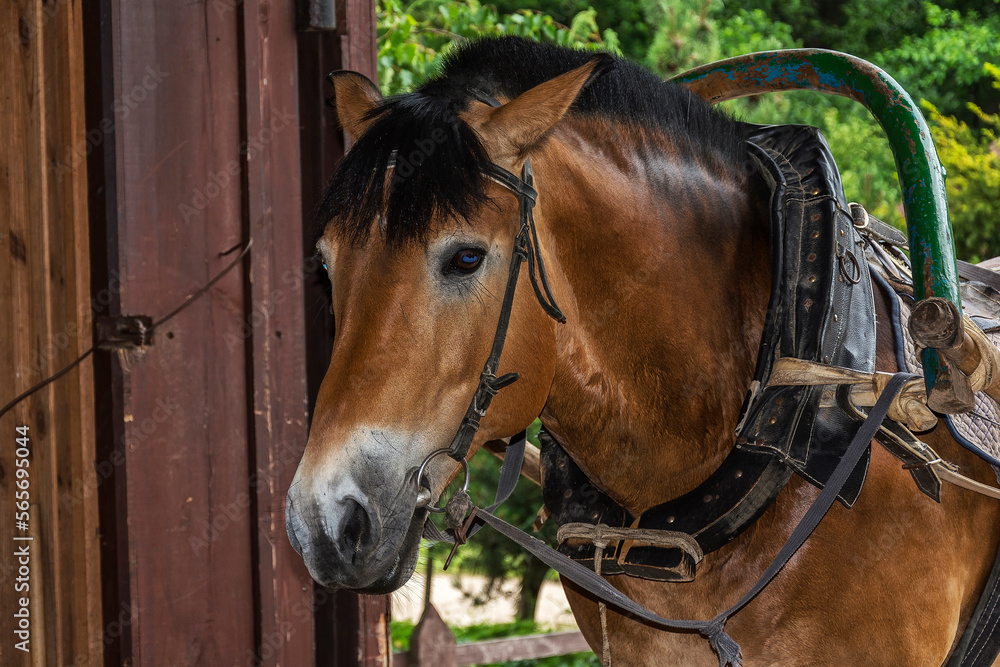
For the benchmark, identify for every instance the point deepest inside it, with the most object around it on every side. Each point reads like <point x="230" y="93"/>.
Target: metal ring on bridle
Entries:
<point x="424" y="500"/>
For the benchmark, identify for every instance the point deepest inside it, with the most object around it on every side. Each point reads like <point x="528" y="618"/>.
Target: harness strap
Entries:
<point x="980" y="643"/>
<point x="535" y="261"/>
<point x="714" y="630"/>
<point x="525" y="248"/>
<point x="884" y="232"/>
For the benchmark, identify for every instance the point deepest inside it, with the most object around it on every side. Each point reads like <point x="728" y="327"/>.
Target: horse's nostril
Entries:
<point x="355" y="531"/>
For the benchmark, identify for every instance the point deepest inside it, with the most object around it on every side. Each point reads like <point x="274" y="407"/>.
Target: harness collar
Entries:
<point x="821" y="310"/>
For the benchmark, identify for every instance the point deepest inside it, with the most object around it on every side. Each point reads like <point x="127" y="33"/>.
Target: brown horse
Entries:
<point x="655" y="235"/>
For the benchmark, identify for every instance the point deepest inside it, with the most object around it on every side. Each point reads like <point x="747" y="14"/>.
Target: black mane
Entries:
<point x="440" y="162"/>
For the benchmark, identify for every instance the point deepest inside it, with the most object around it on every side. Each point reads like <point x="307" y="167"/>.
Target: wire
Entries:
<point x="187" y="302"/>
<point x="46" y="381"/>
<point x="209" y="284"/>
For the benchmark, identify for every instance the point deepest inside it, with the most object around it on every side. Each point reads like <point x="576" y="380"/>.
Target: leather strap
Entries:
<point x="889" y="234"/>
<point x="980" y="643"/>
<point x="525" y="248"/>
<point x="510" y="472"/>
<point x="714" y="630"/>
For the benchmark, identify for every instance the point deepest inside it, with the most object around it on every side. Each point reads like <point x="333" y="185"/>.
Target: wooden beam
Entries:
<point x="531" y="469"/>
<point x="45" y="310"/>
<point x="527" y="647"/>
<point x="176" y="117"/>
<point x="521" y="648"/>
<point x="275" y="329"/>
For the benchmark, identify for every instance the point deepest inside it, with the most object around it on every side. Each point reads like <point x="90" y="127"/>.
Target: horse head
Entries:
<point x="417" y="247"/>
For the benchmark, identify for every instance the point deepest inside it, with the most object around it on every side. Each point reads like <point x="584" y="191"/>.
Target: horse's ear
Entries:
<point x="511" y="130"/>
<point x="354" y="97"/>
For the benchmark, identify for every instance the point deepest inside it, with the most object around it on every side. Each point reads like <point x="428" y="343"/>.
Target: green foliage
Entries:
<point x="693" y="32"/>
<point x="862" y="27"/>
<point x="945" y="63"/>
<point x="972" y="160"/>
<point x="411" y="43"/>
<point x="624" y="16"/>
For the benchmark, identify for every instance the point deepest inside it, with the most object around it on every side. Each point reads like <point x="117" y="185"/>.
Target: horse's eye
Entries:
<point x="465" y="261"/>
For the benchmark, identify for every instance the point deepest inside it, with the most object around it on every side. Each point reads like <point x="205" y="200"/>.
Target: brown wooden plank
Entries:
<point x="358" y="31"/>
<point x="177" y="131"/>
<point x="71" y="496"/>
<point x="276" y="327"/>
<point x="432" y="643"/>
<point x="18" y="70"/>
<point x="521" y="648"/>
<point x="46" y="300"/>
<point x="374" y="639"/>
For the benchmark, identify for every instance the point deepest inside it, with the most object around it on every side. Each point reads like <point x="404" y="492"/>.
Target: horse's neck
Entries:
<point x="664" y="274"/>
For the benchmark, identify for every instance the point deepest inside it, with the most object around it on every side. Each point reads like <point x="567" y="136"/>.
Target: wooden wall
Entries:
<point x="144" y="139"/>
<point x="205" y="155"/>
<point x="45" y="323"/>
<point x="210" y="148"/>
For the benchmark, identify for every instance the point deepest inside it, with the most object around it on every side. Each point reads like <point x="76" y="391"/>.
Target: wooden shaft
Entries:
<point x="532" y="468"/>
<point x="936" y="323"/>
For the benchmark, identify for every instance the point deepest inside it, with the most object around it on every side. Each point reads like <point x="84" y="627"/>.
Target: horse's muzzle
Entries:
<point x="346" y="543"/>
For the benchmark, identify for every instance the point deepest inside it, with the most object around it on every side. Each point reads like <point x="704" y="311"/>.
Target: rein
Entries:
<point x="465" y="519"/>
<point x="714" y="630"/>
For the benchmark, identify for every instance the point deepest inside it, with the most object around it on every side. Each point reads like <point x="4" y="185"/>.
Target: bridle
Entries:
<point x="526" y="248"/>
